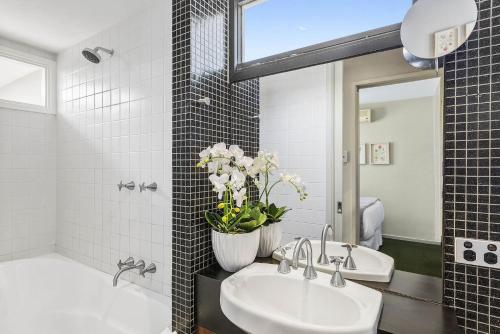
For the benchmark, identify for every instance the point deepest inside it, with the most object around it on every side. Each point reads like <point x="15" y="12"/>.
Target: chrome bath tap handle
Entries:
<point x="149" y="269"/>
<point x="152" y="187"/>
<point x="128" y="262"/>
<point x="129" y="186"/>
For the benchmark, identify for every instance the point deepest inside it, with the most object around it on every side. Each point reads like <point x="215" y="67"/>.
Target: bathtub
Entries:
<point x="52" y="294"/>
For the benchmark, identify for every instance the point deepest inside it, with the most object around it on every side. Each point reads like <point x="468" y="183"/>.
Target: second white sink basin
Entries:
<point x="371" y="265"/>
<point x="260" y="300"/>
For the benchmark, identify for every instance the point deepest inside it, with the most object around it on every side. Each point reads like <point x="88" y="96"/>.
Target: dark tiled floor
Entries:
<point x="414" y="257"/>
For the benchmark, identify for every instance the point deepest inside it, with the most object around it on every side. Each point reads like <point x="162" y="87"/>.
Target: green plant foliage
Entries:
<point x="234" y="221"/>
<point x="272" y="212"/>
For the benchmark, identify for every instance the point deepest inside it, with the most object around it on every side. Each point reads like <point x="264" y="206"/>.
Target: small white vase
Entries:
<point x="270" y="238"/>
<point x="235" y="251"/>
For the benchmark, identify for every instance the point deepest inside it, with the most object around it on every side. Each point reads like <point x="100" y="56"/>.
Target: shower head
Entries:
<point x="93" y="55"/>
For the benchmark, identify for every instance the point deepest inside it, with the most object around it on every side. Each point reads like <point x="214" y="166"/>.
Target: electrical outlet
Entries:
<point x="483" y="253"/>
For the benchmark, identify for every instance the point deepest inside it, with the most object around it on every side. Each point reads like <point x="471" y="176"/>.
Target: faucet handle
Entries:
<point x="152" y="187"/>
<point x="282" y="250"/>
<point x="284" y="266"/>
<point x="129" y="186"/>
<point x="128" y="262"/>
<point x="149" y="269"/>
<point x="337" y="280"/>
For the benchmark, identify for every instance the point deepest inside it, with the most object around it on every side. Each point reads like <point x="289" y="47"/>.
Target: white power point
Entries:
<point x="483" y="253"/>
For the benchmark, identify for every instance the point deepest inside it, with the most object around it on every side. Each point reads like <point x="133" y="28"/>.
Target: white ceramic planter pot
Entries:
<point x="270" y="238"/>
<point x="235" y="251"/>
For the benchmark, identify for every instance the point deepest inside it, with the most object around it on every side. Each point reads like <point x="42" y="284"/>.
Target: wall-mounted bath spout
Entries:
<point x="139" y="265"/>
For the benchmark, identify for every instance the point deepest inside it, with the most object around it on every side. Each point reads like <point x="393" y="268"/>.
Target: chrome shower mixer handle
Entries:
<point x="129" y="186"/>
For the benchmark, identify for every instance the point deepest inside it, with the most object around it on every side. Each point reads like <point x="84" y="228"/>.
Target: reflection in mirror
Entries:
<point x="305" y="114"/>
<point x="400" y="173"/>
<point x="435" y="28"/>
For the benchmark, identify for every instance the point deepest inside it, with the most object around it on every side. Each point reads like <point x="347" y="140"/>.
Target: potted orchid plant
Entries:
<point x="265" y="164"/>
<point x="235" y="222"/>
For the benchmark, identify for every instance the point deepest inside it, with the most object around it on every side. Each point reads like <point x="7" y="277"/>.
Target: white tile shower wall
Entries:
<point x="27" y="184"/>
<point x="114" y="124"/>
<point x="293" y="110"/>
<point x="27" y="178"/>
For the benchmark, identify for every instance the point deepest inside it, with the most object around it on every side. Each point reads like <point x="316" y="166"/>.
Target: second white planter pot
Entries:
<point x="235" y="251"/>
<point x="270" y="238"/>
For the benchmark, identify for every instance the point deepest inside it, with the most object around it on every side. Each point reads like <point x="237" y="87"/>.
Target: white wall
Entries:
<point x="27" y="178"/>
<point x="114" y="123"/>
<point x="407" y="187"/>
<point x="294" y="109"/>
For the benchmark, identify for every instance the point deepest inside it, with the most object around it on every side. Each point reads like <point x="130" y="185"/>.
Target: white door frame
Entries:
<point x="334" y="148"/>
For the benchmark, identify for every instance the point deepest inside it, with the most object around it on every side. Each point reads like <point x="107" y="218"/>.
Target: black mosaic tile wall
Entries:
<point x="200" y="69"/>
<point x="472" y="169"/>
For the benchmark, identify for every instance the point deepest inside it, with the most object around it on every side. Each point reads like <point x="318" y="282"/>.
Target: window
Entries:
<point x="274" y="31"/>
<point x="26" y="81"/>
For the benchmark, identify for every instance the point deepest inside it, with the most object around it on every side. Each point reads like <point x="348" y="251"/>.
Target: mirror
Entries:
<point x="390" y="195"/>
<point x="435" y="28"/>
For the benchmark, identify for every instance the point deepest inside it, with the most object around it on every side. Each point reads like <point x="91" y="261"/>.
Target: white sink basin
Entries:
<point x="371" y="265"/>
<point x="260" y="300"/>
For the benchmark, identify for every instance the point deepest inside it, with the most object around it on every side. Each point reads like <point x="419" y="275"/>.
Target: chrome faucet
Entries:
<point x="302" y="255"/>
<point x="309" y="271"/>
<point x="124" y="267"/>
<point x="337" y="280"/>
<point x="323" y="258"/>
<point x="349" y="261"/>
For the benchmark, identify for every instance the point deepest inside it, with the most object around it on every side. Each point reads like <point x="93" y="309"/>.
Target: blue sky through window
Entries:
<point x="275" y="26"/>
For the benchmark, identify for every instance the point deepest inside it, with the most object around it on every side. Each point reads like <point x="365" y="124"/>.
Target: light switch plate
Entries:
<point x="477" y="252"/>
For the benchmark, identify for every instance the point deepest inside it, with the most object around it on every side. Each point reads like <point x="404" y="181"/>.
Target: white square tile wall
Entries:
<point x="293" y="123"/>
<point x="114" y="123"/>
<point x="27" y="184"/>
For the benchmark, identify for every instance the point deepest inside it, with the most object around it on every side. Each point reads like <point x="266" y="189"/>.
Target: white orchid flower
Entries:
<point x="237" y="179"/>
<point x="296" y="182"/>
<point x="205" y="153"/>
<point x="240" y="196"/>
<point x="236" y="151"/>
<point x="245" y="162"/>
<point x="220" y="150"/>
<point x="219" y="183"/>
<point x="259" y="166"/>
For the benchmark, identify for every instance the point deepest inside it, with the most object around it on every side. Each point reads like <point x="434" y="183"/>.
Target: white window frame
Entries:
<point x="50" y="81"/>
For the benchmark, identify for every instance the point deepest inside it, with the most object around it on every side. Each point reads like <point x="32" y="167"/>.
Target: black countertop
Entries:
<point x="411" y="304"/>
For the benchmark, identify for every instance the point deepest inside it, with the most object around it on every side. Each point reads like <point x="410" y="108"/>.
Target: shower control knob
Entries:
<point x="152" y="187"/>
<point x="129" y="186"/>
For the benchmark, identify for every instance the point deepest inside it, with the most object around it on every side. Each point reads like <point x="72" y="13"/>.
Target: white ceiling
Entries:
<point x="402" y="91"/>
<point x="54" y="25"/>
<point x="13" y="70"/>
